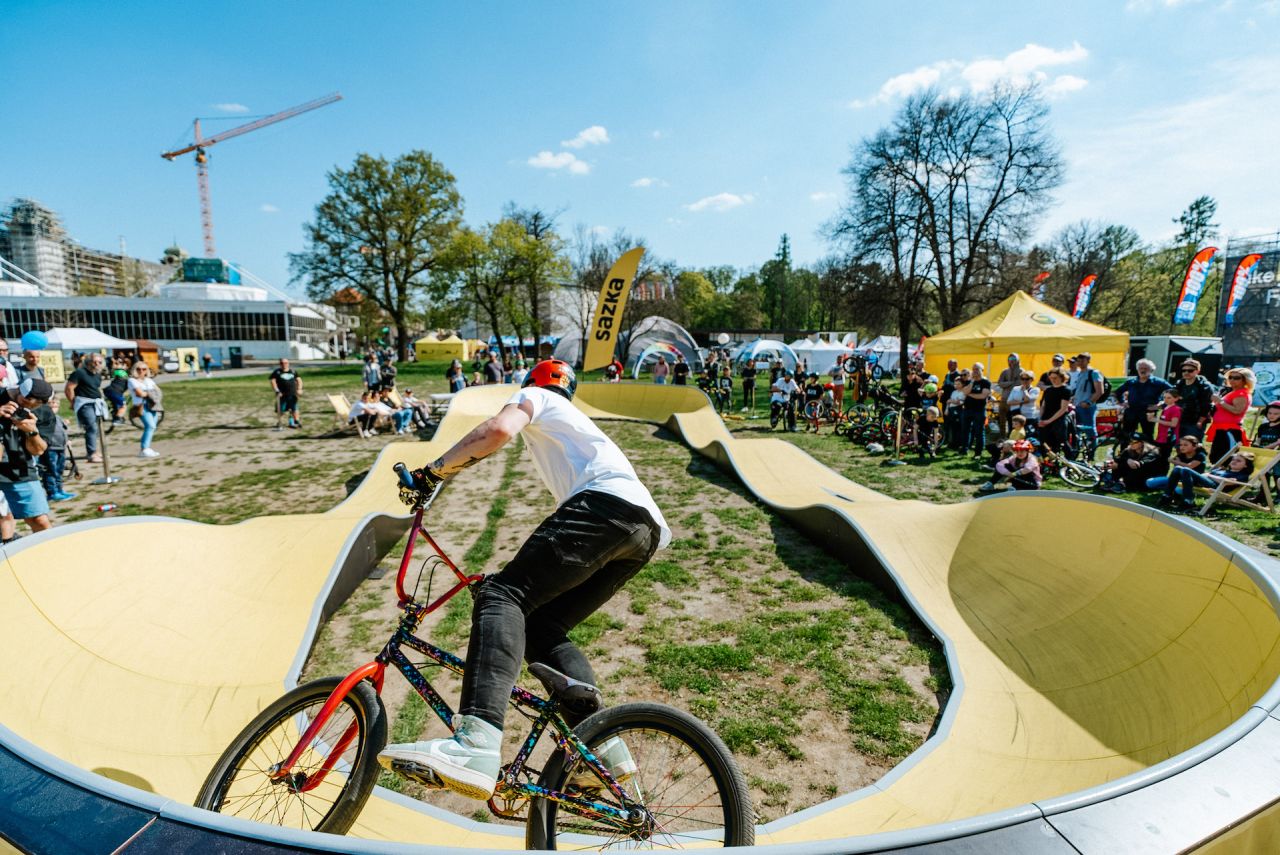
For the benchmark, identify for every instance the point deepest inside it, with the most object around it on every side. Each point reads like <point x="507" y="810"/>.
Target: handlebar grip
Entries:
<point x="402" y="472"/>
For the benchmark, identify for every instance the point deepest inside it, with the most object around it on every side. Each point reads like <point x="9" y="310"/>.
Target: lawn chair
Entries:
<point x="1239" y="493"/>
<point x="394" y="397"/>
<point x="341" y="412"/>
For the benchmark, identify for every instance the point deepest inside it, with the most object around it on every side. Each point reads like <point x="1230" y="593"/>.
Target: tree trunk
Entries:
<point x="402" y="339"/>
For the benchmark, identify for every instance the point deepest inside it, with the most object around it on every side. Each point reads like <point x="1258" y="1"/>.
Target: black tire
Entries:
<point x="646" y="726"/>
<point x="342" y="795"/>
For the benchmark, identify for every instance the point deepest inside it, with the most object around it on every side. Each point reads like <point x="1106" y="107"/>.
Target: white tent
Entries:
<point x="886" y="349"/>
<point x="766" y="350"/>
<point x="69" y="338"/>
<point x="822" y="355"/>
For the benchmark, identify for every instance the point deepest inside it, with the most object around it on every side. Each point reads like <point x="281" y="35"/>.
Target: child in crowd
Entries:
<point x="1019" y="430"/>
<point x="1168" y="418"/>
<point x="929" y="432"/>
<point x="995" y="441"/>
<point x="53" y="430"/>
<point x="1189" y="455"/>
<point x="1267" y="433"/>
<point x="1133" y="466"/>
<point x="1021" y="468"/>
<point x="1238" y="467"/>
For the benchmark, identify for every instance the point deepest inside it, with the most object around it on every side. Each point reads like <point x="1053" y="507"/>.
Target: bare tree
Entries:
<point x="1091" y="247"/>
<point x="947" y="189"/>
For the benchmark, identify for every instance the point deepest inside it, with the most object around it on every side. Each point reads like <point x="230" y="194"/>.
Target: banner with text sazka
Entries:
<point x="603" y="335"/>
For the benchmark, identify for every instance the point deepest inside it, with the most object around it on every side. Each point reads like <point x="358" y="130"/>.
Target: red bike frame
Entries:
<point x="373" y="671"/>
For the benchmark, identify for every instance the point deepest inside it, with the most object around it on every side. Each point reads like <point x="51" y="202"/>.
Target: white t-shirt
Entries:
<point x="782" y="389"/>
<point x="572" y="454"/>
<point x="135" y="386"/>
<point x="1025" y="401"/>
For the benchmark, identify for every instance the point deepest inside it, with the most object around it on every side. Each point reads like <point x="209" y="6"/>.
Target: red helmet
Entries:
<point x="554" y="374"/>
<point x="1023" y="445"/>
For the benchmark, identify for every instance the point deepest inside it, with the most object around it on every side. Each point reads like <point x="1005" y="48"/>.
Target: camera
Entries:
<point x="20" y="415"/>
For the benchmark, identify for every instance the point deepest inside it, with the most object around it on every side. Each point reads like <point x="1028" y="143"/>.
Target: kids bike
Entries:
<point x="309" y="760"/>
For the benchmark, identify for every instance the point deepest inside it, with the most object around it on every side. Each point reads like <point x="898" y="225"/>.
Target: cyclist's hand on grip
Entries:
<point x="426" y="479"/>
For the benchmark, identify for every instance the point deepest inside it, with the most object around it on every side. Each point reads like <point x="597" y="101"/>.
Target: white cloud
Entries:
<point x="648" y="182"/>
<point x="268" y="208"/>
<point x="231" y="108"/>
<point x="720" y="202"/>
<point x="561" y="160"/>
<point x="1064" y="84"/>
<point x="594" y="135"/>
<point x="1024" y="65"/>
<point x="821" y="196"/>
<point x="1150" y="5"/>
<point x="657" y="135"/>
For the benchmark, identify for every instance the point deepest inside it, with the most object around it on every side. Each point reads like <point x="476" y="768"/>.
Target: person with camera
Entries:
<point x="22" y="444"/>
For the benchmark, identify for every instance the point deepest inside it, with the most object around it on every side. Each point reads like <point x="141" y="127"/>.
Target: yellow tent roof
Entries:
<point x="1020" y="323"/>
<point x="433" y="338"/>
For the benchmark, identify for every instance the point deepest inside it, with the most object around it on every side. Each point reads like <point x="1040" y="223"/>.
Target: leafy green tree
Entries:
<point x="382" y="230"/>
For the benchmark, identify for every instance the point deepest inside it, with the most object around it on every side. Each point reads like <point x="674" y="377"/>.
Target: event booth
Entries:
<point x="1035" y="331"/>
<point x="885" y="350"/>
<point x="766" y="350"/>
<point x="653" y="335"/>
<point x="821" y="356"/>
<point x="433" y="347"/>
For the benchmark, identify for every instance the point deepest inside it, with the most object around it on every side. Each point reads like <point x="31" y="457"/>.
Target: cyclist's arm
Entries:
<point x="484" y="439"/>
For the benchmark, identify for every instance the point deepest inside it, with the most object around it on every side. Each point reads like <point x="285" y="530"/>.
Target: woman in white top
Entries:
<point x="1025" y="398"/>
<point x="146" y="397"/>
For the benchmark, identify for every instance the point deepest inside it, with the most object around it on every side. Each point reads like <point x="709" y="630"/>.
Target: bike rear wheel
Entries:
<point x="239" y="783"/>
<point x="686" y="779"/>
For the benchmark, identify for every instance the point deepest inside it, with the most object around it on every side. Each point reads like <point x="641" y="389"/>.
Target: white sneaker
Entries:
<point x="615" y="756"/>
<point x="148" y="453"/>
<point x="467" y="762"/>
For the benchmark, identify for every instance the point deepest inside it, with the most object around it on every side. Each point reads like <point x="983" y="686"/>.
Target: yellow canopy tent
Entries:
<point x="1033" y="330"/>
<point x="432" y="347"/>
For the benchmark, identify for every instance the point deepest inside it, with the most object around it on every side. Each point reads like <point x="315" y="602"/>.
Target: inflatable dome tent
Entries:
<point x="654" y="335"/>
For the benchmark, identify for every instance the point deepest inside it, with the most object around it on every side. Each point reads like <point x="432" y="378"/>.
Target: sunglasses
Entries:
<point x="1188" y="371"/>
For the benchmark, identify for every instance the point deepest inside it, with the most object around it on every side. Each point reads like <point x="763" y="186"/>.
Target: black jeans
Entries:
<point x="572" y="564"/>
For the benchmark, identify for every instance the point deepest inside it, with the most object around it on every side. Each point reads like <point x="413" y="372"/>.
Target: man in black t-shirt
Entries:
<point x="84" y="391"/>
<point x="680" y="371"/>
<point x="1195" y="396"/>
<point x="974" y="412"/>
<point x="287" y="385"/>
<point x="22" y="446"/>
<point x="748" y="374"/>
<point x="492" y="369"/>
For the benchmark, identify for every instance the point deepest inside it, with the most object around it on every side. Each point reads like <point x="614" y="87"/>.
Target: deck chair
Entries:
<point x="1240" y="494"/>
<point x="341" y="412"/>
<point x="394" y="397"/>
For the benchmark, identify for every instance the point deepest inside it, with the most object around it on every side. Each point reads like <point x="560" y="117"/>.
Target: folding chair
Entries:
<point x="341" y="412"/>
<point x="1238" y="493"/>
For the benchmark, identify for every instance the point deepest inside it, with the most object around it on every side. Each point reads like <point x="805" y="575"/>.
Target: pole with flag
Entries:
<point x="1042" y="285"/>
<point x="1083" y="295"/>
<point x="1193" y="285"/>
<point x="1240" y="284"/>
<point x="602" y="337"/>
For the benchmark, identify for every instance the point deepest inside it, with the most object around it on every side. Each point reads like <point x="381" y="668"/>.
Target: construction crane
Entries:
<point x="201" y="143"/>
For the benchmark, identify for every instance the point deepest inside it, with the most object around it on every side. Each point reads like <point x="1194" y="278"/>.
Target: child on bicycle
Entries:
<point x="605" y="528"/>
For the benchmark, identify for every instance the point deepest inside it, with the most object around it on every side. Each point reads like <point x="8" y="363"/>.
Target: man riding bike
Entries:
<point x="605" y="529"/>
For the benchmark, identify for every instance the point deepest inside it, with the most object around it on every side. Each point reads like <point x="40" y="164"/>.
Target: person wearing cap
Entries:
<point x="1195" y="394"/>
<point x="1060" y="363"/>
<point x="1132" y="467"/>
<point x="1009" y="379"/>
<point x="22" y="444"/>
<point x="1141" y="397"/>
<point x="1085" y="394"/>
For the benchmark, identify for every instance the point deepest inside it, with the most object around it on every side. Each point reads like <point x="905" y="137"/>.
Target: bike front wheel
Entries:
<point x="1078" y="476"/>
<point x="240" y="785"/>
<point x="684" y="777"/>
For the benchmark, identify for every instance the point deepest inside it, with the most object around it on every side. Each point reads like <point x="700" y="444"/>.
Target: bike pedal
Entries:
<point x="419" y="774"/>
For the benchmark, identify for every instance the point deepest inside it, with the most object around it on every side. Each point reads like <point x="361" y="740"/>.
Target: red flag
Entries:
<point x="1084" y="294"/>
<point x="1040" y="281"/>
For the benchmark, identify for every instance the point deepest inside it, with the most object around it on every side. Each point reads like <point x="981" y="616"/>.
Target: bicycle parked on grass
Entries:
<point x="309" y="760"/>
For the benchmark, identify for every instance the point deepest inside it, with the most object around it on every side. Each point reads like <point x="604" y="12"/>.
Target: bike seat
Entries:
<point x="562" y="687"/>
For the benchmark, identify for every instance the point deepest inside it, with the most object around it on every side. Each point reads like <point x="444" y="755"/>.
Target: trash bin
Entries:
<point x="237" y="361"/>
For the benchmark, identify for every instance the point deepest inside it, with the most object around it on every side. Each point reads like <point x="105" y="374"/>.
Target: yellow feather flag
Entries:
<point x="603" y="335"/>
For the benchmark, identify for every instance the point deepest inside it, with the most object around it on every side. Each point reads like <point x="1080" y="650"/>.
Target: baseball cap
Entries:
<point x="1059" y="357"/>
<point x="34" y="387"/>
<point x="1084" y="355"/>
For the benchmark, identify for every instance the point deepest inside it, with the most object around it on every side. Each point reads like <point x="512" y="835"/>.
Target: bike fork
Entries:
<point x="372" y="671"/>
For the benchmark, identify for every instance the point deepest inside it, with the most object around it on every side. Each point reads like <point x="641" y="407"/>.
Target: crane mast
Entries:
<point x="200" y="145"/>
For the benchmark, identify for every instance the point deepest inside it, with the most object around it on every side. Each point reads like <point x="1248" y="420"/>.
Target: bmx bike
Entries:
<point x="309" y="760"/>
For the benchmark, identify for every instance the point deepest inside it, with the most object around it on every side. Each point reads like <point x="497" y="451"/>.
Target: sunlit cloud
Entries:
<point x="231" y="108"/>
<point x="559" y="160"/>
<point x="720" y="202"/>
<point x="594" y="135"/>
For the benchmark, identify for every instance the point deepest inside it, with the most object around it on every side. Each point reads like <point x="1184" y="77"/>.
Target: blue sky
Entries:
<point x="740" y="115"/>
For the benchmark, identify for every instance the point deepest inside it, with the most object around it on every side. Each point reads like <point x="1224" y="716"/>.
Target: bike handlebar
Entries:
<point x="402" y="472"/>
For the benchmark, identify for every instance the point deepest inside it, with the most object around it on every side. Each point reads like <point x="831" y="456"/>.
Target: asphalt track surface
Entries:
<point x="1115" y="669"/>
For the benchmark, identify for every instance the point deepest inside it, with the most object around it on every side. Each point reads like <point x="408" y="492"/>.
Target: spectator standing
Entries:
<point x="953" y="414"/>
<point x="1021" y="468"/>
<point x="1085" y="394"/>
<point x="1024" y="399"/>
<point x="1141" y="398"/>
<point x="1189" y="455"/>
<point x="84" y="391"/>
<point x="492" y="370"/>
<point x="8" y="374"/>
<point x="117" y="386"/>
<point x="53" y="430"/>
<point x="146" y="397"/>
<point x="974" y="413"/>
<point x="660" y="370"/>
<point x="912" y="383"/>
<point x="1168" y="419"/>
<point x="680" y="371"/>
<point x="1195" y="396"/>
<point x="287" y="385"/>
<point x="1055" y="410"/>
<point x="208" y="365"/>
<point x="190" y="359"/>
<point x="1226" y="431"/>
<point x="837" y="386"/>
<point x="748" y="375"/>
<point x="455" y="376"/>
<point x="1010" y="378"/>
<point x="949" y="382"/>
<point x="1060" y="363"/>
<point x="30" y="366"/>
<point x="507" y="370"/>
<point x="387" y="375"/>
<point x="22" y="445"/>
<point x="372" y="373"/>
<point x="521" y="371"/>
